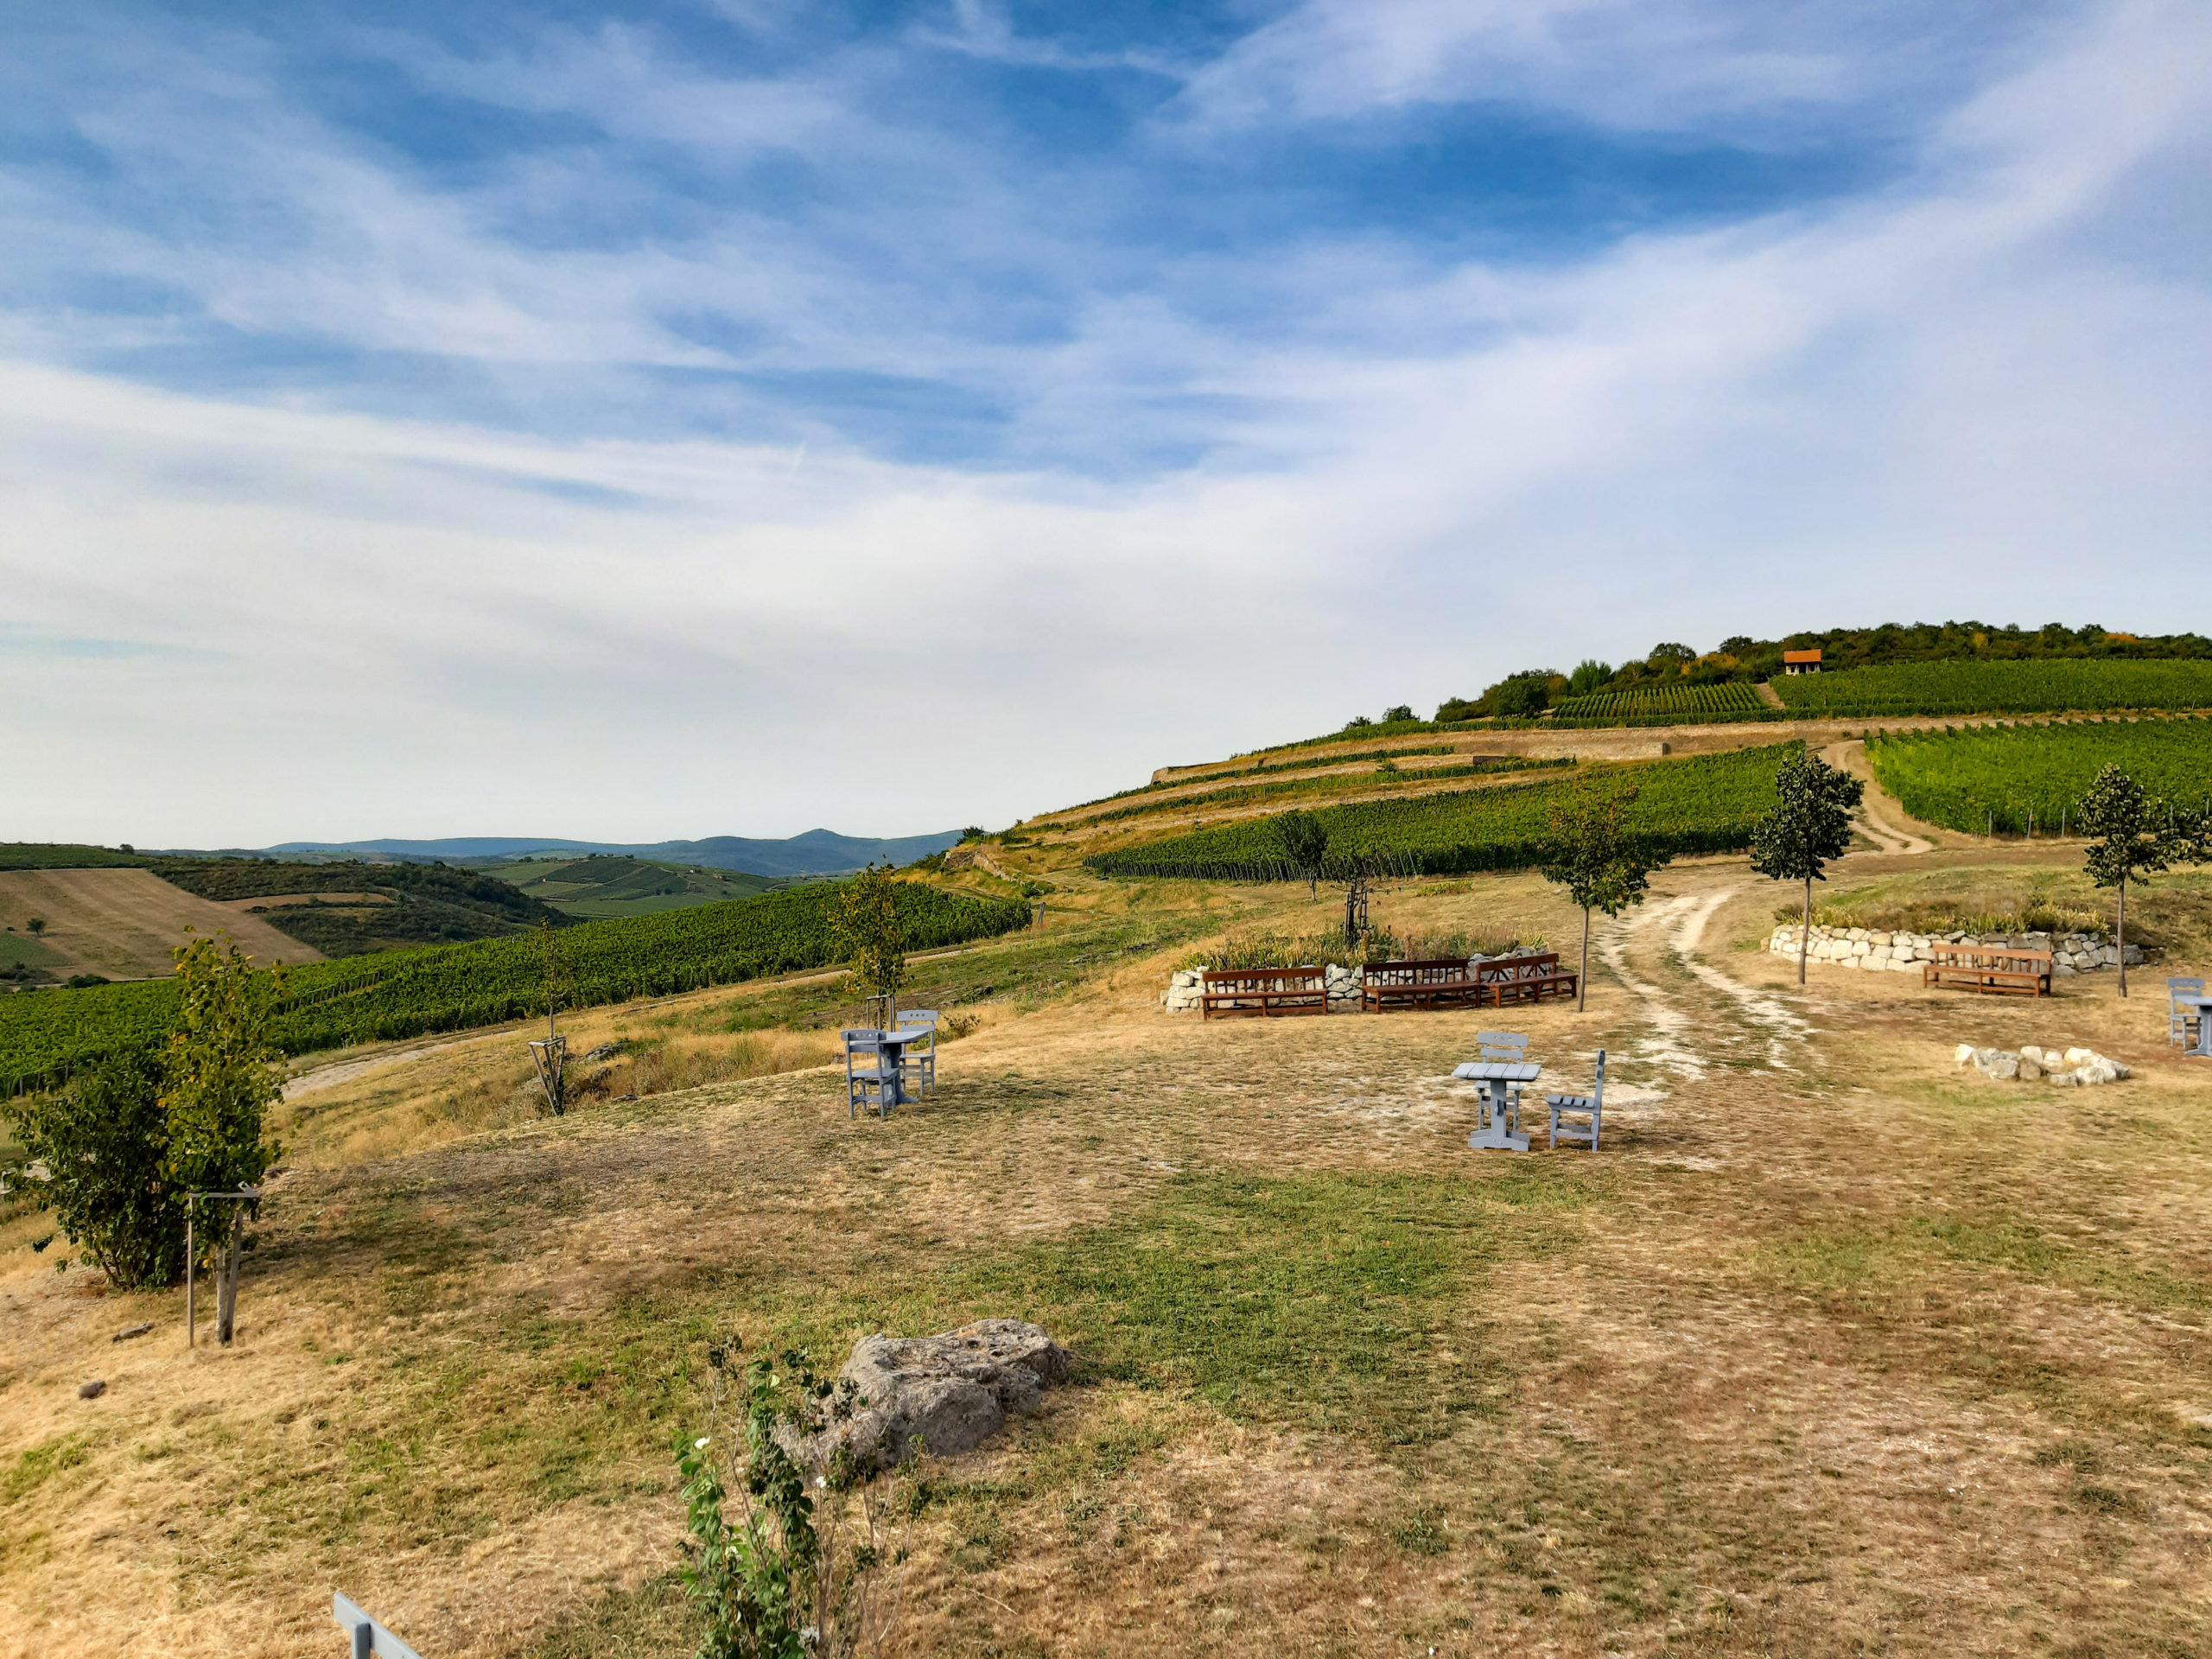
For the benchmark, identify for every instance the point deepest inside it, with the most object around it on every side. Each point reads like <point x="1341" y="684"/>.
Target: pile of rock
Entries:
<point x="1182" y="990"/>
<point x="1872" y="948"/>
<point x="2075" y="1068"/>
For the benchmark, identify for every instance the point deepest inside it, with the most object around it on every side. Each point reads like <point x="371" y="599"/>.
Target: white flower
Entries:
<point x="820" y="1480"/>
<point x="700" y="1445"/>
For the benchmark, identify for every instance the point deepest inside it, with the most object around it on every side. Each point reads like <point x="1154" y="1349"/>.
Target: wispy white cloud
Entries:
<point x="1633" y="63"/>
<point x="1956" y="394"/>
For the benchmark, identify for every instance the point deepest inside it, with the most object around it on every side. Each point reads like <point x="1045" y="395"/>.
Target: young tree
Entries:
<point x="1810" y="825"/>
<point x="1306" y="844"/>
<point x="868" y="934"/>
<point x="550" y="1054"/>
<point x="104" y="1143"/>
<point x="2136" y="836"/>
<point x="218" y="1078"/>
<point x="1597" y="858"/>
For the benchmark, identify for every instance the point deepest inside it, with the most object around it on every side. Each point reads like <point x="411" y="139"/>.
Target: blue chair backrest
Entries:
<point x="1508" y="1045"/>
<point x="917" y="1016"/>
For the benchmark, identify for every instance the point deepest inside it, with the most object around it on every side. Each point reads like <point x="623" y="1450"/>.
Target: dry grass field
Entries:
<point x="1830" y="1350"/>
<point x="122" y="923"/>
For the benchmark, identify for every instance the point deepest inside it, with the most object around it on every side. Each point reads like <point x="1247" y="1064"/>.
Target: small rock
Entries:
<point x="130" y="1331"/>
<point x="94" y="1389"/>
<point x="2001" y="1064"/>
<point x="604" y="1051"/>
<point x="2029" y="1071"/>
<point x="1962" y="1053"/>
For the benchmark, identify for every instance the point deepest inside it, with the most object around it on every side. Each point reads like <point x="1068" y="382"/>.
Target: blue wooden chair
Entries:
<point x="1590" y="1106"/>
<point x="871" y="1069"/>
<point x="1510" y="1047"/>
<point x="920" y="1057"/>
<point x="2179" y="1020"/>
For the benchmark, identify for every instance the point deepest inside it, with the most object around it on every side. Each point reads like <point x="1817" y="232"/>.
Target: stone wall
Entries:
<point x="1872" y="949"/>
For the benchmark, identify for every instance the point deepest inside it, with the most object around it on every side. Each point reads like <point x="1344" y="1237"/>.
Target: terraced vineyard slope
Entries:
<point x="2007" y="778"/>
<point x="1686" y="703"/>
<point x="2031" y="687"/>
<point x="1703" y="804"/>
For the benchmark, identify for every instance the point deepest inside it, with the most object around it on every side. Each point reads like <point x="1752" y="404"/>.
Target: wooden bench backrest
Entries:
<point x="1264" y="978"/>
<point x="1504" y="968"/>
<point x="1410" y="972"/>
<point x="1997" y="959"/>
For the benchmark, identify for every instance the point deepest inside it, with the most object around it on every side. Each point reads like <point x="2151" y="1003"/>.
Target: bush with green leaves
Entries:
<point x="808" y="1567"/>
<point x="104" y="1143"/>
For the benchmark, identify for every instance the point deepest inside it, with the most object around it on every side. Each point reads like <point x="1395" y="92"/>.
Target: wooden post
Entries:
<point x="1805" y="932"/>
<point x="2120" y="938"/>
<point x="191" y="1331"/>
<point x="226" y="1284"/>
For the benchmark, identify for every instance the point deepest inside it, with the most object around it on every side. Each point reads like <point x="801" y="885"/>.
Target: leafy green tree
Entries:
<point x="1602" y="863"/>
<point x="1306" y="844"/>
<point x="220" y="1075"/>
<point x="104" y="1143"/>
<point x="1590" y="675"/>
<point x="2136" y="836"/>
<point x="870" y="935"/>
<point x="1521" y="697"/>
<point x="37" y="925"/>
<point x="1401" y="711"/>
<point x="1810" y="825"/>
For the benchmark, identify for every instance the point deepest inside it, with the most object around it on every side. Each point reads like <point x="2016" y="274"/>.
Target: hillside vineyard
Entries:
<point x="46" y="1035"/>
<point x="1703" y="804"/>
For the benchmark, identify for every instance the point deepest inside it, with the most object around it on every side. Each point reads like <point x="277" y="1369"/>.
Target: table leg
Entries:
<point x="1498" y="1134"/>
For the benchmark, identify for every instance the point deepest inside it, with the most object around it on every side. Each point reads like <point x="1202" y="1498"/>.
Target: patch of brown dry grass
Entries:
<point x="1832" y="1350"/>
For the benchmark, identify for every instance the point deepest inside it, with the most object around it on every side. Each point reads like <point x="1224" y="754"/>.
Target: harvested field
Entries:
<point x="122" y="923"/>
<point x="1829" y="1350"/>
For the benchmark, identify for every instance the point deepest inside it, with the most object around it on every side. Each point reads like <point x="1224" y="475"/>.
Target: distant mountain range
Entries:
<point x="819" y="852"/>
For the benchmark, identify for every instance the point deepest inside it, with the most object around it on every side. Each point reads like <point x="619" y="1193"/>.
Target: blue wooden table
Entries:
<point x="1501" y="1126"/>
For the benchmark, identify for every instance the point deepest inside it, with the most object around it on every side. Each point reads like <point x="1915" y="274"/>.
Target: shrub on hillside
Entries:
<point x="104" y="1142"/>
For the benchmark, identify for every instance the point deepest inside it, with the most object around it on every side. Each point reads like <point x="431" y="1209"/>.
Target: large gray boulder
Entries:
<point x="951" y="1391"/>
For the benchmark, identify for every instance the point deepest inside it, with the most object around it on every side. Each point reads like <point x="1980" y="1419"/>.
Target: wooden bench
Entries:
<point x="1417" y="985"/>
<point x="1263" y="991"/>
<point x="1521" y="979"/>
<point x="1998" y="968"/>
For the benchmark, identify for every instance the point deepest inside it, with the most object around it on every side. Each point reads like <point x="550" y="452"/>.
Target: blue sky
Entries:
<point x="396" y="396"/>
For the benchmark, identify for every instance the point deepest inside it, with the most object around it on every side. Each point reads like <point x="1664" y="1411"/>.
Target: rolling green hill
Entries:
<point x="45" y="1034"/>
<point x="605" y="884"/>
<point x="369" y="906"/>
